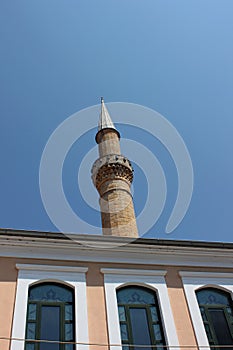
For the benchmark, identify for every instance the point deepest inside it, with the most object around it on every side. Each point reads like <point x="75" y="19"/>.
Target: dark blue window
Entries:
<point x="217" y="314"/>
<point x="140" y="319"/>
<point x="50" y="317"/>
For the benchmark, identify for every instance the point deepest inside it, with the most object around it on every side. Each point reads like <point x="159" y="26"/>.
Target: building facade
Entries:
<point x="115" y="291"/>
<point x="96" y="269"/>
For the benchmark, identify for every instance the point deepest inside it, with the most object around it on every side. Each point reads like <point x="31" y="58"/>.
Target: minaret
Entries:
<point x="112" y="175"/>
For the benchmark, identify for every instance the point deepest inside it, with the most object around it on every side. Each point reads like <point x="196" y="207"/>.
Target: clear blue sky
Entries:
<point x="174" y="56"/>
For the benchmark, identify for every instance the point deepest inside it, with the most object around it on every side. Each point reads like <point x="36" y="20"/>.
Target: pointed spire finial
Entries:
<point x="105" y="121"/>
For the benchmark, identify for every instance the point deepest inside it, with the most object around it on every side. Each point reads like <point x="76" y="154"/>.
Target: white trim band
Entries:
<point x="72" y="269"/>
<point x="206" y="274"/>
<point x="133" y="272"/>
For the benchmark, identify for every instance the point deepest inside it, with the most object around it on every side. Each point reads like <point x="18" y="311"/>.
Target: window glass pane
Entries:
<point x="135" y="295"/>
<point x="154" y="314"/>
<point x="124" y="332"/>
<point x="29" y="346"/>
<point x="157" y="332"/>
<point x="68" y="312"/>
<point x="31" y="331"/>
<point x="121" y="311"/>
<point x="210" y="296"/>
<point x="203" y="314"/>
<point x="140" y="328"/>
<point x="126" y="347"/>
<point x="69" y="347"/>
<point x="208" y="333"/>
<point x="68" y="332"/>
<point x="50" y="292"/>
<point x="160" y="348"/>
<point x="32" y="312"/>
<point x="221" y="327"/>
<point x="50" y="326"/>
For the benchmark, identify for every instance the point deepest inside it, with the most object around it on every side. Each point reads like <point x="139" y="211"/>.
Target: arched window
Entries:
<point x="140" y="320"/>
<point x="217" y="313"/>
<point x="50" y="316"/>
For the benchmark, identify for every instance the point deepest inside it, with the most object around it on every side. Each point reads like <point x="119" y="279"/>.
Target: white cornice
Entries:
<point x="133" y="272"/>
<point x="56" y="244"/>
<point x="34" y="267"/>
<point x="143" y="254"/>
<point x="205" y="275"/>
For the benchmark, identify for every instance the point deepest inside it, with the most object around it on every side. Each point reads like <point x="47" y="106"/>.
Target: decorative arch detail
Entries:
<point x="52" y="280"/>
<point x="137" y="284"/>
<point x="214" y="286"/>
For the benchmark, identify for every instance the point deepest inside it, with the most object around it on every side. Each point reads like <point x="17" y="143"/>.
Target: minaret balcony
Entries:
<point x="111" y="166"/>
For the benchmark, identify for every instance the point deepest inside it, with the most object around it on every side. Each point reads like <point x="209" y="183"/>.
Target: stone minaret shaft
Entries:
<point x="112" y="175"/>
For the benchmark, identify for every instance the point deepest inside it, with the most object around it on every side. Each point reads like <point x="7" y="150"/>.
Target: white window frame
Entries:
<point x="30" y="274"/>
<point x="192" y="281"/>
<point x="155" y="280"/>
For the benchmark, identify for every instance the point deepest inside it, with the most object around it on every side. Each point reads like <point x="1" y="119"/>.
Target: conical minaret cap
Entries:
<point x="105" y="121"/>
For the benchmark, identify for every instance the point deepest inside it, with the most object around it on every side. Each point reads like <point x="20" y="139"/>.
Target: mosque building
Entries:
<point x="116" y="291"/>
